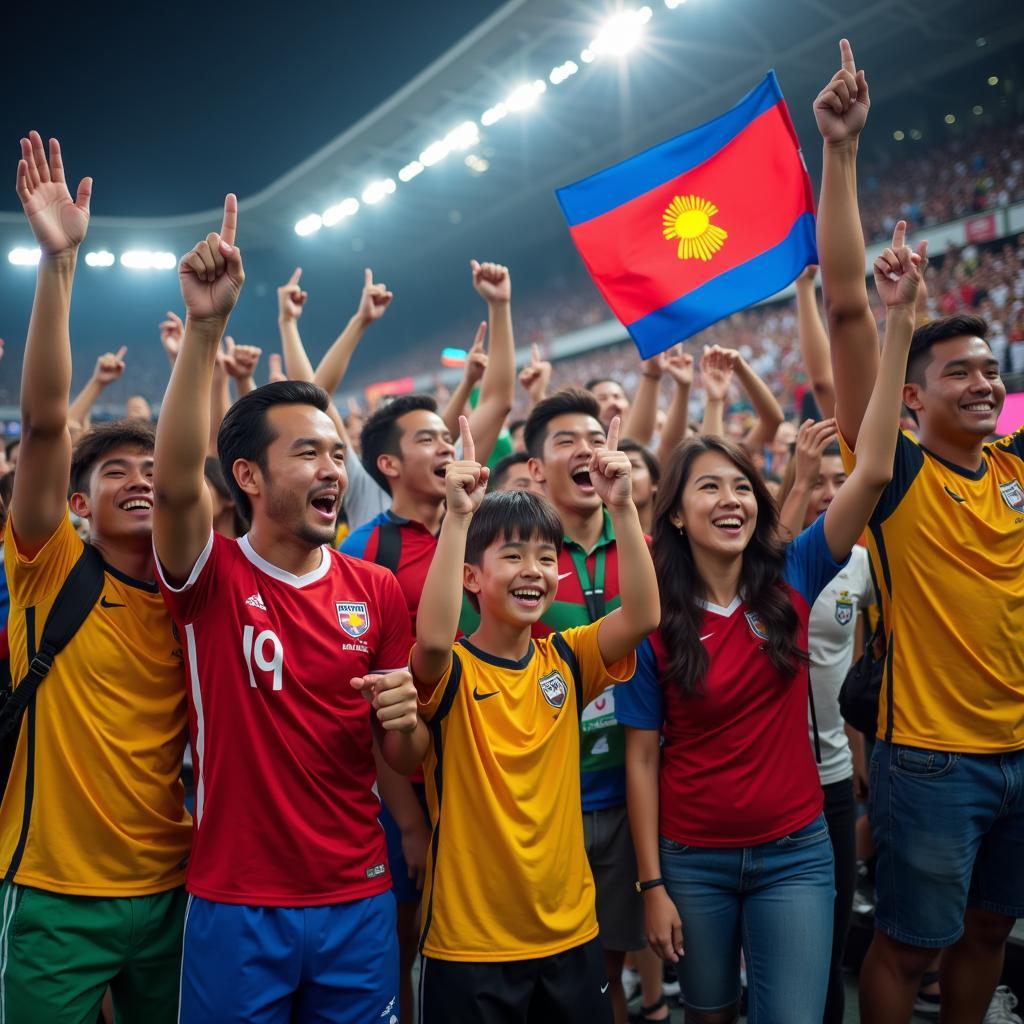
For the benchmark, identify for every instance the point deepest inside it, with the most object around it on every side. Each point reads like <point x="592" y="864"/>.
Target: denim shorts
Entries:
<point x="949" y="829"/>
<point x="775" y="901"/>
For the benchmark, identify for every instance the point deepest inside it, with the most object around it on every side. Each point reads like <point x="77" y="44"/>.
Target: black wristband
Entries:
<point x="651" y="883"/>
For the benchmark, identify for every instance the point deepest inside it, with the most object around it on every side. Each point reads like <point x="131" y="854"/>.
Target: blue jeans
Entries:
<point x="774" y="900"/>
<point x="949" y="829"/>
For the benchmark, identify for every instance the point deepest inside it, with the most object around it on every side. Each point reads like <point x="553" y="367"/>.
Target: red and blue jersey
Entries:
<point x="286" y="812"/>
<point x="737" y="768"/>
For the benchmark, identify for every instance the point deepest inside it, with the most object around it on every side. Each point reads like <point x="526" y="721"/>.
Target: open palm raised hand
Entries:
<point x="211" y="275"/>
<point x="58" y="223"/>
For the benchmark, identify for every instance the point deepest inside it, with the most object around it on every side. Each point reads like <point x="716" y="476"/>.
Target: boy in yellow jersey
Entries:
<point x="947" y="548"/>
<point x="93" y="831"/>
<point x="509" y="925"/>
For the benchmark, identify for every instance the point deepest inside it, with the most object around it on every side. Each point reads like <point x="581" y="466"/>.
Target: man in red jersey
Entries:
<point x="289" y="918"/>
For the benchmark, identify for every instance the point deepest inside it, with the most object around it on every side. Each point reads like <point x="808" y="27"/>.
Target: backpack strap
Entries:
<point x="566" y="653"/>
<point x="389" y="546"/>
<point x="71" y="607"/>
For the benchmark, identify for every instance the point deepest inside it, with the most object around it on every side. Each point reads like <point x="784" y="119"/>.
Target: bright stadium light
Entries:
<point x="410" y="170"/>
<point x="144" y="259"/>
<point x="477" y="164"/>
<point x="377" y="190"/>
<point x="434" y="153"/>
<point x="621" y="32"/>
<point x="463" y="136"/>
<point x="23" y="257"/>
<point x="563" y="71"/>
<point x="587" y="55"/>
<point x="492" y="115"/>
<point x="339" y="211"/>
<point x="524" y="96"/>
<point x="673" y="4"/>
<point x="310" y="223"/>
<point x="99" y="259"/>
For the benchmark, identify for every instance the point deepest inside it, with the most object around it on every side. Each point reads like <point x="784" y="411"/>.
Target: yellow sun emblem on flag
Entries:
<point x="354" y="619"/>
<point x="688" y="218"/>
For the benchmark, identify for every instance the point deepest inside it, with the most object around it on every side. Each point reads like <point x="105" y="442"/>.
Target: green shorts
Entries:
<point x="59" y="953"/>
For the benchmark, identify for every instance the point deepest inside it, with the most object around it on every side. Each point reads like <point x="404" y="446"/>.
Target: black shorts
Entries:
<point x="564" y="988"/>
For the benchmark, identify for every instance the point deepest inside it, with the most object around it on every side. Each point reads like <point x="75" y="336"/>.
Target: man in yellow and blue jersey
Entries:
<point x="947" y="548"/>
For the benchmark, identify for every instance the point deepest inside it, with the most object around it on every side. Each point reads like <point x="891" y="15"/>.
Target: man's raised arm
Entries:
<point x="841" y="110"/>
<point x="498" y="386"/>
<point x="211" y="277"/>
<point x="59" y="225"/>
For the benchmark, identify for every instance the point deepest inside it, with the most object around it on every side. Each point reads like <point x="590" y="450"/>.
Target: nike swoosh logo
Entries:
<point x="562" y="575"/>
<point x="110" y="604"/>
<point x="954" y="496"/>
<point x="604" y="988"/>
<point x="708" y="637"/>
<point x="477" y="695"/>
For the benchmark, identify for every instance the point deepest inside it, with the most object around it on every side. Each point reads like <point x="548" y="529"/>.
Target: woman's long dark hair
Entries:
<point x="682" y="588"/>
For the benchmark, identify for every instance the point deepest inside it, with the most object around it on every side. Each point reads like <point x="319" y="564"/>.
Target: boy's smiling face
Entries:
<point x="516" y="580"/>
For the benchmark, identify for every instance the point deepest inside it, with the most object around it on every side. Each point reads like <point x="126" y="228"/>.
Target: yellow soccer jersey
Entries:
<point x="107" y="816"/>
<point x="507" y="873"/>
<point x="947" y="550"/>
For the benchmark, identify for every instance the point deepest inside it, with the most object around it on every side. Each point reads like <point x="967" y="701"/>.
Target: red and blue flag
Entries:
<point x="700" y="226"/>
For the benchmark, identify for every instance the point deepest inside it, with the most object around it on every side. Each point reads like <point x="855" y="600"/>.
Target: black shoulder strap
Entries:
<point x="566" y="653"/>
<point x="389" y="546"/>
<point x="72" y="605"/>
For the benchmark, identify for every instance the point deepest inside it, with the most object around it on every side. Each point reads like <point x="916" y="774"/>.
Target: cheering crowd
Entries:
<point x="540" y="702"/>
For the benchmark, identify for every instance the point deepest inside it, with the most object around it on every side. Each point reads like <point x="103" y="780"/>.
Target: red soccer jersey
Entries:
<point x="286" y="813"/>
<point x="737" y="768"/>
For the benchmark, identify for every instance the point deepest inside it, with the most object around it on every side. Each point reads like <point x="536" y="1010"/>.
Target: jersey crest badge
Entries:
<point x="844" y="609"/>
<point x="756" y="624"/>
<point x="554" y="689"/>
<point x="353" y="617"/>
<point x="1013" y="495"/>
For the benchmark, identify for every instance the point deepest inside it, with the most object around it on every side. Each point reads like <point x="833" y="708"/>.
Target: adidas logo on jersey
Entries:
<point x="255" y="601"/>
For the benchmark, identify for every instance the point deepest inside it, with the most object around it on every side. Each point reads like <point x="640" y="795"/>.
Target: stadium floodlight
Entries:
<point x="310" y="223"/>
<point x="463" y="136"/>
<point x="492" y="115"/>
<point x="898" y="135"/>
<point x="339" y="211"/>
<point x="23" y="257"/>
<point x="621" y="32"/>
<point x="144" y="259"/>
<point x="434" y="153"/>
<point x="993" y="79"/>
<point x="587" y="55"/>
<point x="477" y="164"/>
<point x="102" y="258"/>
<point x="563" y="71"/>
<point x="410" y="170"/>
<point x="673" y="4"/>
<point x="950" y="119"/>
<point x="524" y="96"/>
<point x="377" y="190"/>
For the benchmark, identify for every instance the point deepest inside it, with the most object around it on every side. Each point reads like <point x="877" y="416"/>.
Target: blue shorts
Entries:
<point x="290" y="965"/>
<point x="949" y="829"/>
<point x="402" y="885"/>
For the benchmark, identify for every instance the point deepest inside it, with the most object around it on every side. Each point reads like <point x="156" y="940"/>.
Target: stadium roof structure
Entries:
<point x="696" y="60"/>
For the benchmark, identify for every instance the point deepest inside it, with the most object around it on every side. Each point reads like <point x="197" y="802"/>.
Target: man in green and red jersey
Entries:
<point x="561" y="434"/>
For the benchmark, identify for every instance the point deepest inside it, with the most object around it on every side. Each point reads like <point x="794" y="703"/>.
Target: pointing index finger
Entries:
<point x="121" y="351"/>
<point x="613" y="434"/>
<point x="468" y="448"/>
<point x="230" y="222"/>
<point x="367" y="277"/>
<point x="846" y="56"/>
<point x="899" y="236"/>
<point x="296" y="274"/>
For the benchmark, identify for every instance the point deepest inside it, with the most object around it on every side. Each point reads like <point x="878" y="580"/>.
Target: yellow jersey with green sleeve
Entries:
<point x="947" y="551"/>
<point x="507" y="872"/>
<point x="95" y="803"/>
